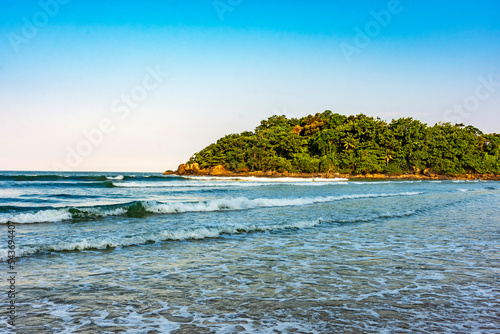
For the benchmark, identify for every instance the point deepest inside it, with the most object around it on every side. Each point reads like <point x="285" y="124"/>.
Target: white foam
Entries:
<point x="119" y="177"/>
<point x="44" y="216"/>
<point x="265" y="179"/>
<point x="100" y="212"/>
<point x="242" y="203"/>
<point x="431" y="276"/>
<point x="61" y="311"/>
<point x="187" y="234"/>
<point x="212" y="183"/>
<point x="132" y="184"/>
<point x="179" y="184"/>
<point x="231" y="203"/>
<point x="175" y="235"/>
<point x="54" y="216"/>
<point x="137" y="323"/>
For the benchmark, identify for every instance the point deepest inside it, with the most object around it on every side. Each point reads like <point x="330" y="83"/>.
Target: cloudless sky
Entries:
<point x="65" y="67"/>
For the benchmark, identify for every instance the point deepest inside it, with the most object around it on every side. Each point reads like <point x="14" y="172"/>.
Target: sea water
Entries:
<point x="146" y="253"/>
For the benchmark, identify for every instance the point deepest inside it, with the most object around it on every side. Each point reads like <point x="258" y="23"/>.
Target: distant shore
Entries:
<point x="195" y="170"/>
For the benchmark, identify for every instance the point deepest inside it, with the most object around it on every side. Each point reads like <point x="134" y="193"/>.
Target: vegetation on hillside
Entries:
<point x="329" y="142"/>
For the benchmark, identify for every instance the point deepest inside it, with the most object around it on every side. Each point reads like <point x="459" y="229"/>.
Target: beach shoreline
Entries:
<point x="195" y="170"/>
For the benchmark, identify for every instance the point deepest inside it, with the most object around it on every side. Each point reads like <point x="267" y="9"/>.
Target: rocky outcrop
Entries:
<point x="191" y="169"/>
<point x="220" y="170"/>
<point x="194" y="169"/>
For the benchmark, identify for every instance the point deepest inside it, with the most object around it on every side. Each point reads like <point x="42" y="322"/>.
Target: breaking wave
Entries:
<point x="188" y="234"/>
<point x="141" y="209"/>
<point x="165" y="235"/>
<point x="119" y="177"/>
<point x="243" y="203"/>
<point x="72" y="177"/>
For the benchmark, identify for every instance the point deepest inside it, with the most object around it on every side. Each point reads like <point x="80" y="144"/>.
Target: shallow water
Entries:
<point x="113" y="253"/>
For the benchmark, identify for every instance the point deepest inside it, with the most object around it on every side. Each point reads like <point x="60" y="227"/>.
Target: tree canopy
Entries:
<point x="330" y="142"/>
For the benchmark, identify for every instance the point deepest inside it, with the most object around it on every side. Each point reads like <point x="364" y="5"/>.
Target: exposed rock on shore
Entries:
<point x="219" y="170"/>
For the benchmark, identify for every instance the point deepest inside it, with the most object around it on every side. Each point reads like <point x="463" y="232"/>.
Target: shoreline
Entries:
<point x="194" y="170"/>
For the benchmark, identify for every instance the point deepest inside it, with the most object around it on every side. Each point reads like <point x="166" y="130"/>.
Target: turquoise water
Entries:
<point x="146" y="253"/>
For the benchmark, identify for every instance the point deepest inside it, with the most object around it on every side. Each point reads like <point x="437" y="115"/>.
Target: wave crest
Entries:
<point x="190" y="234"/>
<point x="141" y="209"/>
<point x="166" y="235"/>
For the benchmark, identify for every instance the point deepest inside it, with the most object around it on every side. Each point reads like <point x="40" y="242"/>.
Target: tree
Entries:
<point x="327" y="142"/>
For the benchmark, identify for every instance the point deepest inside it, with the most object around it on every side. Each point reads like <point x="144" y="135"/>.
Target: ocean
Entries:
<point x="145" y="253"/>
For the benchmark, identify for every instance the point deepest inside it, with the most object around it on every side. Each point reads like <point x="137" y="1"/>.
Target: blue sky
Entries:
<point x="141" y="86"/>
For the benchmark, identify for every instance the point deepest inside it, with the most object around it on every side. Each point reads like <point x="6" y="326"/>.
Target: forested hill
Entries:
<point x="333" y="143"/>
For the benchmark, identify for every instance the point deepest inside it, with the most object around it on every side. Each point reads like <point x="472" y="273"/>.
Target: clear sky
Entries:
<point x="142" y="85"/>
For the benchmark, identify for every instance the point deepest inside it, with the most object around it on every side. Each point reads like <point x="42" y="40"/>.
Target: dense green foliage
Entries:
<point x="329" y="142"/>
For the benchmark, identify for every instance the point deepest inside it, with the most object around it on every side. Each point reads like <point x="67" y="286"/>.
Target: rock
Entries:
<point x="182" y="170"/>
<point x="191" y="169"/>
<point x="218" y="170"/>
<point x="375" y="176"/>
<point x="427" y="172"/>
